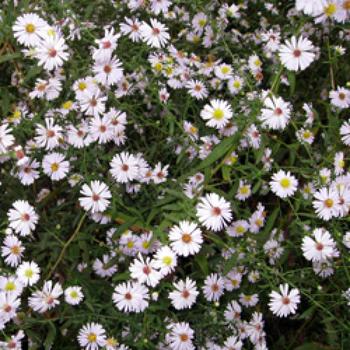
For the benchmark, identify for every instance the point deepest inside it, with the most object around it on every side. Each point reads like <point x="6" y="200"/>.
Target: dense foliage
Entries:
<point x="174" y="174"/>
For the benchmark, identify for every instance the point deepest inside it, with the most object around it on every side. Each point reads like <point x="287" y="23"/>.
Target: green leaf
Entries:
<point x="202" y="262"/>
<point x="311" y="346"/>
<point x="230" y="263"/>
<point x="50" y="337"/>
<point x="268" y="226"/>
<point x="292" y="82"/>
<point x="9" y="57"/>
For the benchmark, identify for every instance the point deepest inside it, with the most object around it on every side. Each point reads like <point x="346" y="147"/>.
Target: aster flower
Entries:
<point x="155" y="35"/>
<point x="276" y="113"/>
<point x="214" y="212"/>
<point x="217" y="113"/>
<point x="321" y="248"/>
<point x="29" y="29"/>
<point x="96" y="197"/>
<point x="92" y="336"/>
<point x="297" y="54"/>
<point x="52" y="52"/>
<point x="186" y="238"/>
<point x="22" y="217"/>
<point x="285" y="303"/>
<point x="283" y="184"/>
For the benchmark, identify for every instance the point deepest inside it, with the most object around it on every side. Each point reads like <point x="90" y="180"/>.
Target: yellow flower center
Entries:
<point x="158" y="66"/>
<point x="329" y="203"/>
<point x="236" y="84"/>
<point x="92" y="337"/>
<point x="51" y="32"/>
<point x="244" y="190"/>
<point x="54" y="167"/>
<point x="341" y="164"/>
<point x="330" y="10"/>
<point x="74" y="294"/>
<point x="240" y="229"/>
<point x="257" y="62"/>
<point x="169" y="71"/>
<point x="196" y="39"/>
<point x="10" y="286"/>
<point x="145" y="244"/>
<point x="202" y="22"/>
<point x="225" y="69"/>
<point x="130" y="244"/>
<point x="16" y="114"/>
<point x="307" y="134"/>
<point x="218" y="114"/>
<point x="193" y="130"/>
<point x="67" y="105"/>
<point x="30" y="28"/>
<point x="167" y="260"/>
<point x="285" y="183"/>
<point x="82" y="86"/>
<point x="15" y="250"/>
<point x="28" y="273"/>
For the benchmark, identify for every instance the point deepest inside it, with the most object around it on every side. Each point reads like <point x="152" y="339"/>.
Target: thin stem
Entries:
<point x="70" y="240"/>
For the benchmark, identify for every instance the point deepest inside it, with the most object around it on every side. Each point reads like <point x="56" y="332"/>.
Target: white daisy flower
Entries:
<point x="276" y="113"/>
<point x="96" y="197"/>
<point x="155" y="35"/>
<point x="214" y="212"/>
<point x="321" y="248"/>
<point x="52" y="52"/>
<point x="131" y="297"/>
<point x="73" y="295"/>
<point x="29" y="29"/>
<point x="92" y="336"/>
<point x="28" y="273"/>
<point x="124" y="167"/>
<point x="22" y="217"/>
<point x="184" y="295"/>
<point x="285" y="303"/>
<point x="217" y="113"/>
<point x="186" y="238"/>
<point x="283" y="184"/>
<point x="297" y="54"/>
<point x="55" y="166"/>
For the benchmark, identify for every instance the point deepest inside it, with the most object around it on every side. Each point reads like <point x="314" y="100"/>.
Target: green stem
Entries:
<point x="70" y="240"/>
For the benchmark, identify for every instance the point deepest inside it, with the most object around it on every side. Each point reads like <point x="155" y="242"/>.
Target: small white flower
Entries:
<point x="285" y="303"/>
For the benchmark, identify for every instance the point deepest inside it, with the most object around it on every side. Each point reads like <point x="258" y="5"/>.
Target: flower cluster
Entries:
<point x="174" y="174"/>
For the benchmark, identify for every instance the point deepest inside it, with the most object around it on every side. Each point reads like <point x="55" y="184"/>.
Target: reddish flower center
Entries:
<point x="107" y="68"/>
<point x="319" y="246"/>
<point x="186" y="238"/>
<point x="146" y="270"/>
<point x="125" y="167"/>
<point x="285" y="300"/>
<point x="215" y="287"/>
<point x="25" y="217"/>
<point x="184" y="337"/>
<point x="156" y="31"/>
<point x="185" y="294"/>
<point x="52" y="53"/>
<point x="50" y="133"/>
<point x="216" y="211"/>
<point x="95" y="197"/>
<point x="128" y="296"/>
<point x="7" y="308"/>
<point x="341" y="96"/>
<point x="103" y="128"/>
<point x="93" y="102"/>
<point x="106" y="44"/>
<point x="297" y="53"/>
<point x="278" y="111"/>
